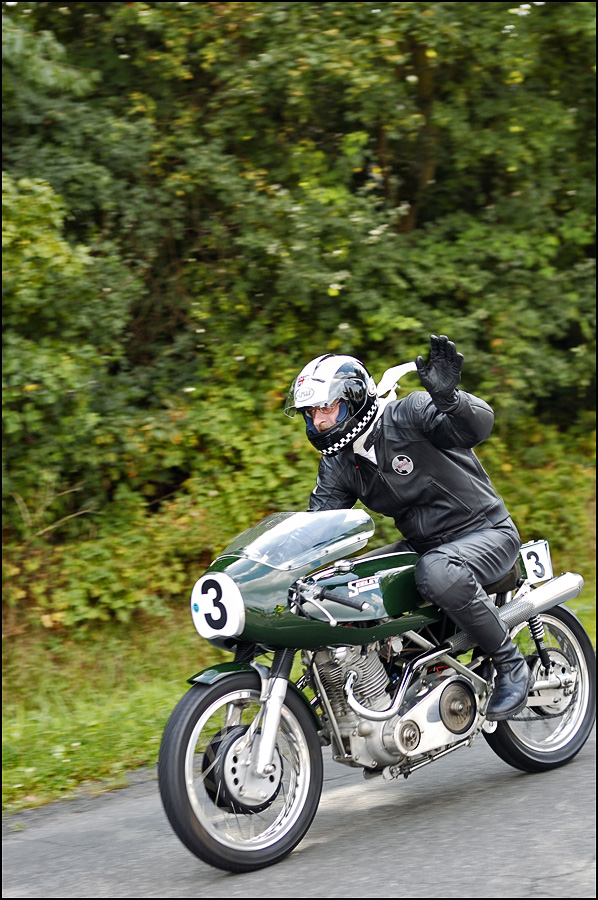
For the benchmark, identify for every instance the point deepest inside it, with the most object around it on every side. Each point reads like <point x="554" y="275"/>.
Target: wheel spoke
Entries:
<point x="220" y="809"/>
<point x="557" y="722"/>
<point x="550" y="726"/>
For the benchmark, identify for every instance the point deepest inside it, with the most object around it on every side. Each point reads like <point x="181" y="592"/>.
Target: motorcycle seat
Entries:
<point x="508" y="582"/>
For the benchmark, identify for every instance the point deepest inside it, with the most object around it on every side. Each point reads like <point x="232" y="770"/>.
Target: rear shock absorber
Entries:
<point x="536" y="629"/>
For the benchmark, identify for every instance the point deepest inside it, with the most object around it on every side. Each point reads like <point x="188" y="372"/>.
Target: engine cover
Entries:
<point x="438" y="710"/>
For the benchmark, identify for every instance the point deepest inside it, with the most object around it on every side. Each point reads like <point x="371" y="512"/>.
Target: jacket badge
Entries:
<point x="402" y="465"/>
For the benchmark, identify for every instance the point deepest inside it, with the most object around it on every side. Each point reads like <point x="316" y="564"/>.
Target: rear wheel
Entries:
<point x="219" y="808"/>
<point x="558" y="719"/>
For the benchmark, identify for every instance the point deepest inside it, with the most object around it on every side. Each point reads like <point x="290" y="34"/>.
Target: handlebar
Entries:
<point x="303" y="592"/>
<point x="352" y="602"/>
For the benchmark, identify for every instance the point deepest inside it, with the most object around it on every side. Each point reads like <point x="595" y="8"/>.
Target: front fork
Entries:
<point x="265" y="727"/>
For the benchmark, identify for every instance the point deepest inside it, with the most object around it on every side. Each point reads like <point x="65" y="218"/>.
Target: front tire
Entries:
<point x="199" y="773"/>
<point x="557" y="722"/>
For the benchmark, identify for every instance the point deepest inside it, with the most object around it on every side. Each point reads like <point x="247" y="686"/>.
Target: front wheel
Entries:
<point x="214" y="801"/>
<point x="557" y="721"/>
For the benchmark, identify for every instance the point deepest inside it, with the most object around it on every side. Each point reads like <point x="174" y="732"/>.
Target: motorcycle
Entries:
<point x="386" y="680"/>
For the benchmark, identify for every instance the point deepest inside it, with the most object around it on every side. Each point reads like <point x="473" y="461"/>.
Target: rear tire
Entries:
<point x="549" y="734"/>
<point x="201" y="775"/>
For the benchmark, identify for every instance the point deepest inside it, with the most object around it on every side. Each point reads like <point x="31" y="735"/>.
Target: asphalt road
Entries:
<point x="466" y="826"/>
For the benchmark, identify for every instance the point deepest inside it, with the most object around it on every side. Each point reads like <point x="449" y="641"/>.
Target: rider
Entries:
<point x="412" y="459"/>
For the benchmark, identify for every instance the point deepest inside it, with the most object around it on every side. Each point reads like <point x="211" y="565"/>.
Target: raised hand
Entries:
<point x="442" y="374"/>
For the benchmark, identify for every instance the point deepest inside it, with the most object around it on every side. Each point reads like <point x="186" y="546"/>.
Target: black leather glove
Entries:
<point x="442" y="374"/>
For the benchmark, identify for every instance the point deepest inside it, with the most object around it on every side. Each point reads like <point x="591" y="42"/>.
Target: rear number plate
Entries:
<point x="537" y="562"/>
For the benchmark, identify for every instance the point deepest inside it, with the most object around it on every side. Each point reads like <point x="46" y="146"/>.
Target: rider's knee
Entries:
<point x="444" y="579"/>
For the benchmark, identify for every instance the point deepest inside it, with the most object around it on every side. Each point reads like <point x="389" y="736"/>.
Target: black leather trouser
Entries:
<point x="451" y="576"/>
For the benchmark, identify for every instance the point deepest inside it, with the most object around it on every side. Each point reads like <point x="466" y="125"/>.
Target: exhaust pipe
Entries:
<point x="538" y="600"/>
<point x="558" y="590"/>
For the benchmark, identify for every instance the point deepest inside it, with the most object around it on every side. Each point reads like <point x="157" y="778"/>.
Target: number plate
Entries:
<point x="217" y="606"/>
<point x="537" y="562"/>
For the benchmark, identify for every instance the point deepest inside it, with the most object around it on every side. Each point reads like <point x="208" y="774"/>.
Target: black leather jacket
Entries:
<point x="427" y="477"/>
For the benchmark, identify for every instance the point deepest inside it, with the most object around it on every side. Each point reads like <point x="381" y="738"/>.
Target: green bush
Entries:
<point x="198" y="199"/>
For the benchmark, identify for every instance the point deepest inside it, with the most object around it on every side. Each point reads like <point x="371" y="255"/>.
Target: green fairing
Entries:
<point x="270" y="622"/>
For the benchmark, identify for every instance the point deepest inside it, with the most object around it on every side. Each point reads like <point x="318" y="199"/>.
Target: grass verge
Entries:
<point x="82" y="711"/>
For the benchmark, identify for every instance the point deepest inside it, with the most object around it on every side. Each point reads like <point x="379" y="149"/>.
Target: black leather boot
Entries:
<point x="512" y="682"/>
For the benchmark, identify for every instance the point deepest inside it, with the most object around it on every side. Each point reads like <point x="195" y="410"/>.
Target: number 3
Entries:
<point x="540" y="571"/>
<point x="219" y="622"/>
<point x="217" y="606"/>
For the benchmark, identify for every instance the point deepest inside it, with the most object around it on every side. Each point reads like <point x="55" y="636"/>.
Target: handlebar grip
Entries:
<point x="353" y="603"/>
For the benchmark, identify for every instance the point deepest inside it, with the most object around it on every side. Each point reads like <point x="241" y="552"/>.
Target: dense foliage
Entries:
<point x="200" y="197"/>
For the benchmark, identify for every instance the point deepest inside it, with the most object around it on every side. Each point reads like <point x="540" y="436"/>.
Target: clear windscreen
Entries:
<point x="291" y="540"/>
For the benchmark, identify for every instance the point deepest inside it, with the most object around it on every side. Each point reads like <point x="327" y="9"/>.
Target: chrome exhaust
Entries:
<point x="536" y="600"/>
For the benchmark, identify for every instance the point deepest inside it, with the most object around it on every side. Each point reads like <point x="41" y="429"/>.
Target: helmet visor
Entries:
<point x="308" y="392"/>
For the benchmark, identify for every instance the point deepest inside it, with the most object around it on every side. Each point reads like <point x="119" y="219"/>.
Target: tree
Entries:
<point x="238" y="186"/>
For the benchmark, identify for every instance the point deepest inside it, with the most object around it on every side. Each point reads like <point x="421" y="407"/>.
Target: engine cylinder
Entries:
<point x="370" y="683"/>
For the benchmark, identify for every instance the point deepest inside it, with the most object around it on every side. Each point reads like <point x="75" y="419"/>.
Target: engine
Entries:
<point x="439" y="709"/>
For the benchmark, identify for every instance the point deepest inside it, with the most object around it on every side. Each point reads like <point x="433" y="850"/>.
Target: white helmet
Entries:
<point x="322" y="382"/>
